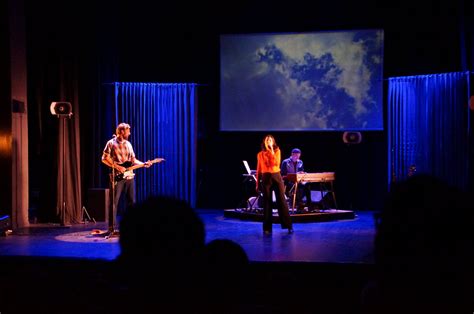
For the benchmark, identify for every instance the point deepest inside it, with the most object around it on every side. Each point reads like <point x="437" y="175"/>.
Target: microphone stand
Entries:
<point x="112" y="209"/>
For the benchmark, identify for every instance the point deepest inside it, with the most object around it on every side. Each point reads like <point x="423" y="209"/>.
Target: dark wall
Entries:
<point x="171" y="42"/>
<point x="179" y="42"/>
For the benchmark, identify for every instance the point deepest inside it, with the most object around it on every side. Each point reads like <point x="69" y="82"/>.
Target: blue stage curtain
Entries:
<point x="428" y="126"/>
<point x="163" y="120"/>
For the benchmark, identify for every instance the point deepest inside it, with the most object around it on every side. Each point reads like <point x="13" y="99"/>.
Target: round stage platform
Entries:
<point x="305" y="216"/>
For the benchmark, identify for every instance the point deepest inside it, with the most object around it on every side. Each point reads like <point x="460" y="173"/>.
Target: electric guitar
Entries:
<point x="128" y="173"/>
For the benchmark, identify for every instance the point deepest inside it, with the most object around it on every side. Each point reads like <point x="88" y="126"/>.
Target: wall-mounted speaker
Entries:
<point x="61" y="108"/>
<point x="352" y="137"/>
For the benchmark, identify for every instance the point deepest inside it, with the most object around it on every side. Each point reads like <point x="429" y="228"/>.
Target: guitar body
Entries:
<point x="128" y="173"/>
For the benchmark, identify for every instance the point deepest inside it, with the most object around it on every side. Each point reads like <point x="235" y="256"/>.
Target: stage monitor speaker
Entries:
<point x="98" y="204"/>
<point x="255" y="202"/>
<point x="316" y="195"/>
<point x="322" y="199"/>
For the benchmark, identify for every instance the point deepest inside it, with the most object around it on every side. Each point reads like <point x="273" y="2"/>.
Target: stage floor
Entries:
<point x="329" y="214"/>
<point x="336" y="241"/>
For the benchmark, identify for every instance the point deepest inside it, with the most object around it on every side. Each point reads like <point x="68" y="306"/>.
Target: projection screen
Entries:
<point x="319" y="81"/>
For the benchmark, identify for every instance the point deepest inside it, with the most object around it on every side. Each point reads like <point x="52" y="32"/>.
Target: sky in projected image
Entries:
<point x="310" y="81"/>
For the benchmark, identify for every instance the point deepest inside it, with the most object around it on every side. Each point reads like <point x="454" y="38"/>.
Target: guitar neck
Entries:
<point x="135" y="167"/>
<point x="142" y="165"/>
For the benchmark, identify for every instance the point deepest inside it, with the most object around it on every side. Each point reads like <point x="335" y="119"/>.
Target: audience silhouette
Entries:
<point x="423" y="250"/>
<point x="225" y="270"/>
<point x="166" y="266"/>
<point x="162" y="241"/>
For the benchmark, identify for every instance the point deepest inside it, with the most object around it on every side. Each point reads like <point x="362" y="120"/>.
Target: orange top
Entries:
<point x="268" y="162"/>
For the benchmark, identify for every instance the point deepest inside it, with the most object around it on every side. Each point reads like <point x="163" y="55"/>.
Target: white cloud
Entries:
<point x="348" y="55"/>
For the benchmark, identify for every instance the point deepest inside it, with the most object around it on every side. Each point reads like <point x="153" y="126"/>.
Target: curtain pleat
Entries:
<point x="428" y="126"/>
<point x="162" y="117"/>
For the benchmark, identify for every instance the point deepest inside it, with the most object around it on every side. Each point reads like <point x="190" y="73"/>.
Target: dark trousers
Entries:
<point x="273" y="182"/>
<point x="123" y="186"/>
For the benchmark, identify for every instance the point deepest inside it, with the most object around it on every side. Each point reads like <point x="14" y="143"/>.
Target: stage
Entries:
<point x="332" y="236"/>
<point x="71" y="270"/>
<point x="296" y="216"/>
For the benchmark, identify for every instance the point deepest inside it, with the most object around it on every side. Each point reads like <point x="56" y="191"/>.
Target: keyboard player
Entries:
<point x="293" y="165"/>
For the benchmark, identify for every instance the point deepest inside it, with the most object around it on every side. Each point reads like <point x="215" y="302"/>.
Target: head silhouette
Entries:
<point x="161" y="228"/>
<point x="424" y="243"/>
<point x="161" y="241"/>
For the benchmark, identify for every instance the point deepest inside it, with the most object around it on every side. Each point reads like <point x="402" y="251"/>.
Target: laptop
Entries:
<point x="250" y="172"/>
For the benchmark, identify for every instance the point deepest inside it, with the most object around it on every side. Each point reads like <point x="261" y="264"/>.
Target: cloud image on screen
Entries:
<point x="325" y="81"/>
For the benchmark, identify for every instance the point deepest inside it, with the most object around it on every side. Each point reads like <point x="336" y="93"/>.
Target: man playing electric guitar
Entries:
<point x="118" y="154"/>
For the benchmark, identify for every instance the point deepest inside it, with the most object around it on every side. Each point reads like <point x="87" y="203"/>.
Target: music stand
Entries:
<point x="85" y="214"/>
<point x="252" y="176"/>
